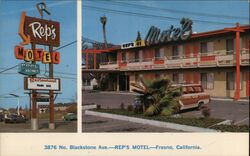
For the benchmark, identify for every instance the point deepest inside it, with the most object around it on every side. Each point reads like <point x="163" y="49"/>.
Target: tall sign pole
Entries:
<point x="34" y="120"/>
<point x="51" y="95"/>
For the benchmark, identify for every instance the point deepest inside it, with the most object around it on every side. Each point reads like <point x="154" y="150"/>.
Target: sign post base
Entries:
<point x="34" y="124"/>
<point x="52" y="126"/>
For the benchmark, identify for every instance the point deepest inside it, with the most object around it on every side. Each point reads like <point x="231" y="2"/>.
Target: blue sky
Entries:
<point x="11" y="81"/>
<point x="123" y="28"/>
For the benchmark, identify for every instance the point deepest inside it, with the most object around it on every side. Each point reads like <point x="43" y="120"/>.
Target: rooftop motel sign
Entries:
<point x="172" y="34"/>
<point x="39" y="31"/>
<point x="133" y="44"/>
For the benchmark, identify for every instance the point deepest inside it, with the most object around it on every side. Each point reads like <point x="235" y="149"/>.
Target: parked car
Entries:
<point x="70" y="117"/>
<point x="193" y="96"/>
<point x="14" y="118"/>
<point x="1" y="117"/>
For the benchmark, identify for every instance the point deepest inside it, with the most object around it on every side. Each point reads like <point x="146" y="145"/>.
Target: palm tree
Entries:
<point x="157" y="96"/>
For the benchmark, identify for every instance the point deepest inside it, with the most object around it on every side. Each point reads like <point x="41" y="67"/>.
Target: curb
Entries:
<point x="151" y="122"/>
<point x="86" y="107"/>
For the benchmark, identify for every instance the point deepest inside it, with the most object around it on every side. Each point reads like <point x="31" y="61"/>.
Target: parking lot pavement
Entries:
<point x="100" y="124"/>
<point x="238" y="112"/>
<point x="61" y="126"/>
<point x="228" y="110"/>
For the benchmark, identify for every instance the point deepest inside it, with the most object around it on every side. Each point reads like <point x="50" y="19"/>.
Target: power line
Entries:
<point x="8" y="69"/>
<point x="150" y="15"/>
<point x="145" y="7"/>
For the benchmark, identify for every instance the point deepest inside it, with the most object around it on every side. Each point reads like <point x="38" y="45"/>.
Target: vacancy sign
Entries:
<point x="36" y="83"/>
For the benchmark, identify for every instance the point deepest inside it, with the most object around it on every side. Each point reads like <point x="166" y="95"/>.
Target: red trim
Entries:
<point x="187" y="50"/>
<point x="196" y="77"/>
<point x="217" y="32"/>
<point x="207" y="58"/>
<point x="159" y="62"/>
<point x="195" y="49"/>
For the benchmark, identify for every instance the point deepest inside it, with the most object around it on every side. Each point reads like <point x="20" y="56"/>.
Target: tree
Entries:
<point x="157" y="96"/>
<point x="138" y="38"/>
<point x="72" y="108"/>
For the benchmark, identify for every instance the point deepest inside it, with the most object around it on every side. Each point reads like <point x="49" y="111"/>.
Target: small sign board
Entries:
<point x="28" y="69"/>
<point x="133" y="44"/>
<point x="37" y="83"/>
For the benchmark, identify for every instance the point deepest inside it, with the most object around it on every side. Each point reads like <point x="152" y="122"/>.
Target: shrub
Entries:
<point x="130" y="108"/>
<point x="98" y="107"/>
<point x="206" y="112"/>
<point x="122" y="107"/>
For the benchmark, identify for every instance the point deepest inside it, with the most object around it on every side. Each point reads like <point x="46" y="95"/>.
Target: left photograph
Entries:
<point x="38" y="69"/>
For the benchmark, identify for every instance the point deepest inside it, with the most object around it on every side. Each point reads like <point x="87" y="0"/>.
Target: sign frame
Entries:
<point x="26" y="87"/>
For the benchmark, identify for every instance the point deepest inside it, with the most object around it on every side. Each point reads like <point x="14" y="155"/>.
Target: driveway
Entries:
<point x="228" y="110"/>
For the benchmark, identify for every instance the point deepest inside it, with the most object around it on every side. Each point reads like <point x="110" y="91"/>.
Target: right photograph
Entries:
<point x="165" y="66"/>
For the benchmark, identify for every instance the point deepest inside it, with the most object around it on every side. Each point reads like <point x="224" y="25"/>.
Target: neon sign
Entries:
<point x="155" y="36"/>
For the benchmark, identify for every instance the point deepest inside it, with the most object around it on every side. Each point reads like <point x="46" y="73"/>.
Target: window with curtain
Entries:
<point x="230" y="46"/>
<point x="203" y="47"/>
<point x="230" y="80"/>
<point x="204" y="80"/>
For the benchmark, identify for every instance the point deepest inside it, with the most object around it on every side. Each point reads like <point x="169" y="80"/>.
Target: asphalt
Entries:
<point x="61" y="126"/>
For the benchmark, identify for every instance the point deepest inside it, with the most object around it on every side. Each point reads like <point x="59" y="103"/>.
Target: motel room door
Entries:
<point x="123" y="82"/>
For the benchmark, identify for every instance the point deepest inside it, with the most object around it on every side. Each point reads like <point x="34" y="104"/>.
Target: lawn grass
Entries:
<point x="199" y="122"/>
<point x="190" y="121"/>
<point x="58" y="115"/>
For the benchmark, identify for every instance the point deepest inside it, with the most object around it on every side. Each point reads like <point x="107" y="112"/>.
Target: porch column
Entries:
<point x="118" y="82"/>
<point x="238" y="30"/>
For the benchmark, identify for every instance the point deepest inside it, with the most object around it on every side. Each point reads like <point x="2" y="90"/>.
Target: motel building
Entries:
<point x="218" y="60"/>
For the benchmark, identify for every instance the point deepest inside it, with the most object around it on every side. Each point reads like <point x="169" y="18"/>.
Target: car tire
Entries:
<point x="200" y="105"/>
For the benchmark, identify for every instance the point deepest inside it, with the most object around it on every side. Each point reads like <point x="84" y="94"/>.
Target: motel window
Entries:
<point x="175" y="52"/>
<point x="175" y="78"/>
<point x="140" y="55"/>
<point x="230" y="80"/>
<point x="136" y="56"/>
<point x="207" y="80"/>
<point x="210" y="81"/>
<point x="123" y="57"/>
<point x="157" y="52"/>
<point x="230" y="46"/>
<point x="203" y="47"/>
<point x="204" y="80"/>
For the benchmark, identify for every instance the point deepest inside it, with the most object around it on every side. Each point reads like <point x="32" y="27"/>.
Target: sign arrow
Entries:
<point x="26" y="39"/>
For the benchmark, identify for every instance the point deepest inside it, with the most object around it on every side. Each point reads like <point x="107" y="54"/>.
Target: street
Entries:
<point x="61" y="126"/>
<point x="238" y="112"/>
